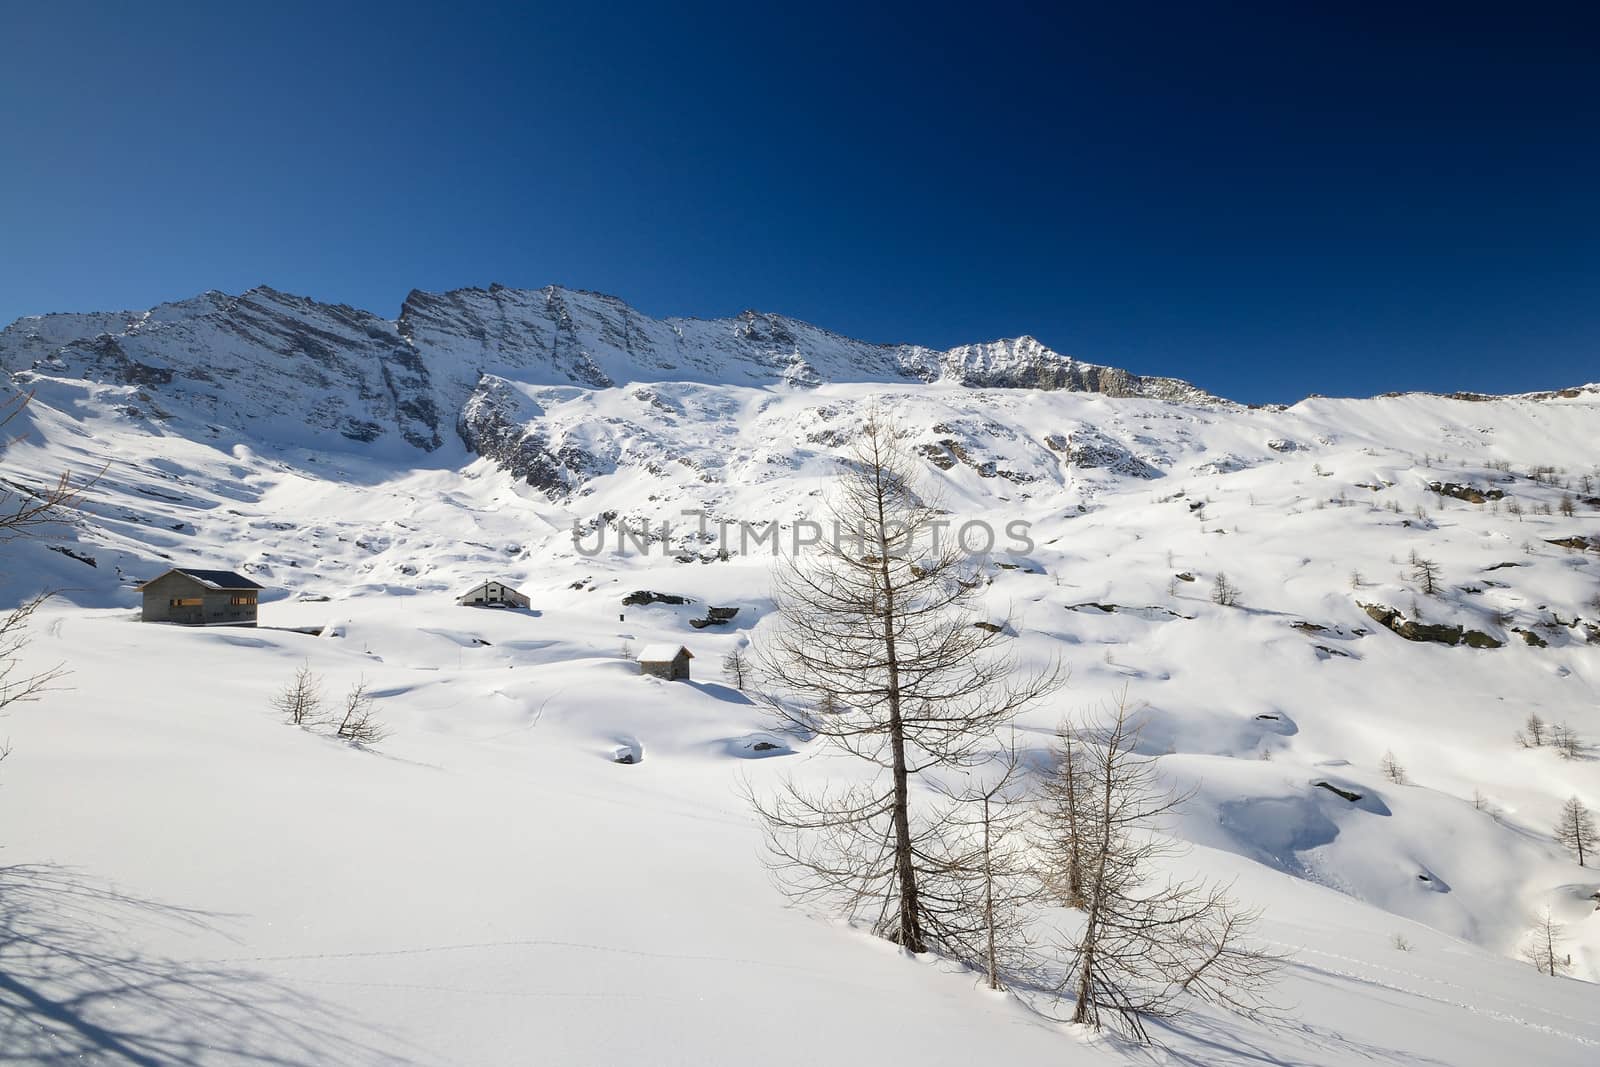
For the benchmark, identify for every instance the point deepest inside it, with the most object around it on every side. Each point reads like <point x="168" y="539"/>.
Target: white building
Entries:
<point x="493" y="595"/>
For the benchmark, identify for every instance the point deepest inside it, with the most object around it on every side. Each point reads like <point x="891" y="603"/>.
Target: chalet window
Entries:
<point x="185" y="602"/>
<point x="242" y="599"/>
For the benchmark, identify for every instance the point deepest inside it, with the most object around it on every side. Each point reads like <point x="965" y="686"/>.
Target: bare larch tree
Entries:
<point x="1565" y="740"/>
<point x="1425" y="572"/>
<point x="1542" y="947"/>
<point x="1533" y="735"/>
<point x="1064" y="835"/>
<point x="300" y="701"/>
<point x="736" y="665"/>
<point x="988" y="881"/>
<point x="1575" y="829"/>
<point x="359" y="725"/>
<point x="877" y="622"/>
<point x="1151" y="944"/>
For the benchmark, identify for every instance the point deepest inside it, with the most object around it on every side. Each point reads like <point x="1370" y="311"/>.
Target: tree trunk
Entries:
<point x="1083" y="1011"/>
<point x="1075" y="852"/>
<point x="988" y="898"/>
<point x="904" y="860"/>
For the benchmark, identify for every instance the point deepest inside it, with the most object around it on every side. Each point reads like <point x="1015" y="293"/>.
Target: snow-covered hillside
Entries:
<point x="188" y="879"/>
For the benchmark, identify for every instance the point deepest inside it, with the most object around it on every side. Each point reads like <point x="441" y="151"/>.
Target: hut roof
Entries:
<point x="211" y="579"/>
<point x="492" y="581"/>
<point x="662" y="653"/>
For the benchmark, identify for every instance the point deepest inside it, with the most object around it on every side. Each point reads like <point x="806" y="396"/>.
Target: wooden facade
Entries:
<point x="191" y="597"/>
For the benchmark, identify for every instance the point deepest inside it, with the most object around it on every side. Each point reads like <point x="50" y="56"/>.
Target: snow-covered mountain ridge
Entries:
<point x="271" y="435"/>
<point x="350" y="372"/>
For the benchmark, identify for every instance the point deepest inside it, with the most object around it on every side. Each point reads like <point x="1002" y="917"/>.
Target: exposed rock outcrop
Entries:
<point x="1468" y="493"/>
<point x="1438" y="633"/>
<point x="715" y="617"/>
<point x="641" y="597"/>
<point x="494" y="423"/>
<point x="1088" y="449"/>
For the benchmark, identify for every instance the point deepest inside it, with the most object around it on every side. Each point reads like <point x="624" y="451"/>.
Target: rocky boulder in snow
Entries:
<point x="1438" y="633"/>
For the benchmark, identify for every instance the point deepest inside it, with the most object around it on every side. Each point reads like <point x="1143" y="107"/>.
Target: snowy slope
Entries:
<point x="487" y="886"/>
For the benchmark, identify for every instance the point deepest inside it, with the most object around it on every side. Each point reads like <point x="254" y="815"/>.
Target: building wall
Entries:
<point x="676" y="670"/>
<point x="487" y="595"/>
<point x="214" y="608"/>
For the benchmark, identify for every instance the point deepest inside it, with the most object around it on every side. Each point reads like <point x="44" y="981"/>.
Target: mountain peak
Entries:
<point x="366" y="377"/>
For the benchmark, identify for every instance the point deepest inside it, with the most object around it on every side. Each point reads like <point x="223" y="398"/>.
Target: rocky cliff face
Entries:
<point x="561" y="336"/>
<point x="503" y="426"/>
<point x="271" y="365"/>
<point x="243" y="363"/>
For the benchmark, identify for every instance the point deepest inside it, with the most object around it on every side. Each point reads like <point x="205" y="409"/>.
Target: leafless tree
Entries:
<point x="1425" y="572"/>
<point x="358" y="725"/>
<point x="17" y="685"/>
<point x="1391" y="769"/>
<point x="1224" y="592"/>
<point x="988" y="881"/>
<point x="1575" y="830"/>
<point x="1533" y="731"/>
<point x="1568" y="506"/>
<point x="736" y="665"/>
<point x="1065" y="832"/>
<point x="877" y="619"/>
<point x="1150" y="946"/>
<point x="1543" y="947"/>
<point x="300" y="702"/>
<point x="1566" y="741"/>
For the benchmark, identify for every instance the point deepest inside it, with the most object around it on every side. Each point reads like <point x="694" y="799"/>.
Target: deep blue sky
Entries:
<point x="1269" y="202"/>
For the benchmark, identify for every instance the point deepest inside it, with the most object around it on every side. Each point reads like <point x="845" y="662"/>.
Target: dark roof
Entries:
<point x="215" y="579"/>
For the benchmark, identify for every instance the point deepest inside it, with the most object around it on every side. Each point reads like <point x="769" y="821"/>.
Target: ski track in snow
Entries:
<point x="1365" y="978"/>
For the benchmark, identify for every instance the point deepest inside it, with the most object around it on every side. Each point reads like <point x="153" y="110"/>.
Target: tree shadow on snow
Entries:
<point x="1202" y="1040"/>
<point x="75" y="987"/>
<point x="722" y="692"/>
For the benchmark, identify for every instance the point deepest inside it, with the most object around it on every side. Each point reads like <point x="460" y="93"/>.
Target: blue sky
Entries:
<point x="1268" y="202"/>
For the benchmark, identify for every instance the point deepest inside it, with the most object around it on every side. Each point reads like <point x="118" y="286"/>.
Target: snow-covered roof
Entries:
<point x="662" y="653"/>
<point x="492" y="581"/>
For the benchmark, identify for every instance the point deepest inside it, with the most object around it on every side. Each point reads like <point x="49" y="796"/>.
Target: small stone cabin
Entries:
<point x="191" y="597"/>
<point x="665" y="661"/>
<point x="493" y="595"/>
